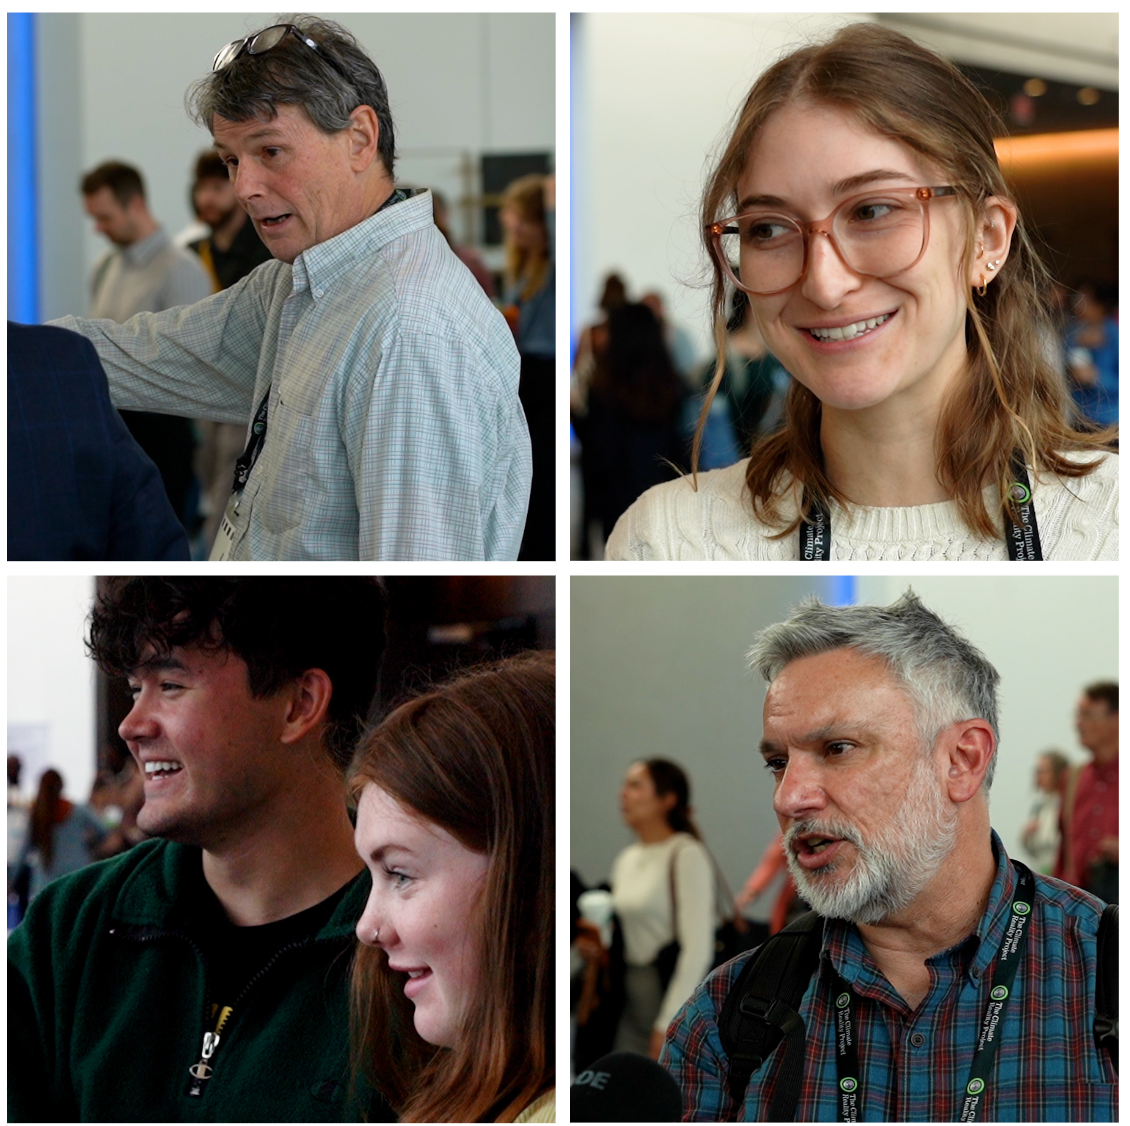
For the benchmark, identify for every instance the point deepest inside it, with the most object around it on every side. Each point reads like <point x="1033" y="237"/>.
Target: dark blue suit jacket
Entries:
<point x="79" y="486"/>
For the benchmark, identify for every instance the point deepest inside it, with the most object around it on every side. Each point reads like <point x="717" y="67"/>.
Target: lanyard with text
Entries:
<point x="850" y="1089"/>
<point x="1022" y="539"/>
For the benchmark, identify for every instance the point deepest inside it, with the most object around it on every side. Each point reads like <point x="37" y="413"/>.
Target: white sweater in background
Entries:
<point x="641" y="893"/>
<point x="1077" y="518"/>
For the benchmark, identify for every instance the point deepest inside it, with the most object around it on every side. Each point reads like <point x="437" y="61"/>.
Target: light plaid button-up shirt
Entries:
<point x="394" y="428"/>
<point x="914" y="1064"/>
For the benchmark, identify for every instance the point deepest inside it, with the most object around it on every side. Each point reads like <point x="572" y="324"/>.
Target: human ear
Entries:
<point x="969" y="747"/>
<point x="308" y="703"/>
<point x="364" y="132"/>
<point x="994" y="239"/>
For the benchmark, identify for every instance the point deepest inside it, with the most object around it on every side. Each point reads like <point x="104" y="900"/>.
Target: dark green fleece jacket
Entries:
<point x="107" y="1000"/>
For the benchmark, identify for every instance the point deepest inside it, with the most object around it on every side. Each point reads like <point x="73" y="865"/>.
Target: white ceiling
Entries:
<point x="1077" y="47"/>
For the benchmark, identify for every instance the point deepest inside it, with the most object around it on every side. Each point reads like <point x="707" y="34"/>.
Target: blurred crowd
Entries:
<point x="49" y="835"/>
<point x="640" y="383"/>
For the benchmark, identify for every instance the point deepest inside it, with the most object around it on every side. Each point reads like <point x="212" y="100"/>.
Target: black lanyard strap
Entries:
<point x="1022" y="538"/>
<point x="246" y="460"/>
<point x="850" y="1082"/>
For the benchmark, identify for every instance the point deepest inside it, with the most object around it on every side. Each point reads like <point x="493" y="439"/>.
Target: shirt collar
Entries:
<point x="143" y="252"/>
<point x="318" y="267"/>
<point x="844" y="947"/>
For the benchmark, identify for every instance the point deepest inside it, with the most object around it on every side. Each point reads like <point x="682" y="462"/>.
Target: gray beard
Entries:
<point x="890" y="871"/>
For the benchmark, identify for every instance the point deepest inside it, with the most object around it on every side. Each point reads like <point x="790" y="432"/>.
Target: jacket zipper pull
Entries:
<point x="201" y="1071"/>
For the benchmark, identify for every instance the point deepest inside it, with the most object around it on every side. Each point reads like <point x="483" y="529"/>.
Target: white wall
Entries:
<point x="50" y="678"/>
<point x="460" y="85"/>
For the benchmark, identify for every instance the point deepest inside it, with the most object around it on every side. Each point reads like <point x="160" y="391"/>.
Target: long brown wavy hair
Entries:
<point x="476" y="757"/>
<point x="48" y="809"/>
<point x="1014" y="398"/>
<point x="527" y="266"/>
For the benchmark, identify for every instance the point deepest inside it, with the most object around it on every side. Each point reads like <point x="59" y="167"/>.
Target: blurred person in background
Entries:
<point x="773" y="863"/>
<point x="230" y="252"/>
<point x="1092" y="353"/>
<point x="630" y="434"/>
<point x="529" y="295"/>
<point x="593" y="341"/>
<point x="17" y="833"/>
<point x="233" y="248"/>
<point x="1040" y="835"/>
<point x="888" y="271"/>
<point x="680" y="343"/>
<point x="144" y="272"/>
<point x="663" y="890"/>
<point x="749" y="376"/>
<point x="468" y="255"/>
<point x="1089" y="854"/>
<point x="62" y="837"/>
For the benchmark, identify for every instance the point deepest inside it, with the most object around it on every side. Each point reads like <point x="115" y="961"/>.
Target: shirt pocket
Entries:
<point x="286" y="457"/>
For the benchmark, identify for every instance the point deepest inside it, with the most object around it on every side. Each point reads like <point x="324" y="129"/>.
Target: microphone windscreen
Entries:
<point x="625" y="1087"/>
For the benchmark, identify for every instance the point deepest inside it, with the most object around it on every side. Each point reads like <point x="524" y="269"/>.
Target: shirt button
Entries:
<point x="917" y="1039"/>
<point x="319" y="292"/>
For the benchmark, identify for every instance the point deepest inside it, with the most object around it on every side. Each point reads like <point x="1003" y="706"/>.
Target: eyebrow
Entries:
<point x="379" y="853"/>
<point x="272" y="131"/>
<point x="164" y="663"/>
<point x="841" y="187"/>
<point x="816" y="735"/>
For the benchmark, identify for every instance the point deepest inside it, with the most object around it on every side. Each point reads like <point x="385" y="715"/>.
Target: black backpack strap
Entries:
<point x="1106" y="985"/>
<point x="761" y="1009"/>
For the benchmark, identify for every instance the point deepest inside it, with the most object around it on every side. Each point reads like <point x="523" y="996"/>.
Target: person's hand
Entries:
<point x="656" y="1045"/>
<point x="550" y="189"/>
<point x="1108" y="849"/>
<point x="587" y="943"/>
<point x="743" y="899"/>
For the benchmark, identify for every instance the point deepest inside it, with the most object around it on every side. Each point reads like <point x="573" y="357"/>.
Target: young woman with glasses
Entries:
<point x="860" y="207"/>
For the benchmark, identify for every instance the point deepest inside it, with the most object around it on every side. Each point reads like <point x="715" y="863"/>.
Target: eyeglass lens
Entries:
<point x="257" y="45"/>
<point x="877" y="236"/>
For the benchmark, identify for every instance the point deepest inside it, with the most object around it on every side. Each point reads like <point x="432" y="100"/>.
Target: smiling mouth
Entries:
<point x="849" y="332"/>
<point x="162" y="769"/>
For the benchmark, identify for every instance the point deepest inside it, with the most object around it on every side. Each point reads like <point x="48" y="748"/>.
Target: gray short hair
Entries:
<point x="946" y="678"/>
<point x="254" y="86"/>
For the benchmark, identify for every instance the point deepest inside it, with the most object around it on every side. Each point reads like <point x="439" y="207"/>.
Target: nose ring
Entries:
<point x="376" y="936"/>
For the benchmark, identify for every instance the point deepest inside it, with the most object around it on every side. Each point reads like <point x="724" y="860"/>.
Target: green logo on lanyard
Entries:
<point x="842" y="1001"/>
<point x="848" y="1084"/>
<point x="1021" y="908"/>
<point x="976" y="1086"/>
<point x="999" y="993"/>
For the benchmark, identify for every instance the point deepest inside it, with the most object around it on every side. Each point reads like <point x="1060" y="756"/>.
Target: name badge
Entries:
<point x="225" y="537"/>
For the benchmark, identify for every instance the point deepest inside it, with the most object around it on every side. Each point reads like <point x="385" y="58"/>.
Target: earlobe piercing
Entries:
<point x="982" y="289"/>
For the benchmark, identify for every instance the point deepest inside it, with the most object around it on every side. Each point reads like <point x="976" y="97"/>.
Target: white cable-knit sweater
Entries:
<point x="1077" y="518"/>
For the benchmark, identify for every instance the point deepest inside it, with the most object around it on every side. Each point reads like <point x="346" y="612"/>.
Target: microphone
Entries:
<point x="625" y="1087"/>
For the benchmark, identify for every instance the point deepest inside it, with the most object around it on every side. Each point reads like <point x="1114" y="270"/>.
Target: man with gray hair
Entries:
<point x="933" y="950"/>
<point x="378" y="384"/>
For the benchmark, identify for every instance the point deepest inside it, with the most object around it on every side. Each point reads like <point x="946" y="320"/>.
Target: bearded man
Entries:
<point x="880" y="729"/>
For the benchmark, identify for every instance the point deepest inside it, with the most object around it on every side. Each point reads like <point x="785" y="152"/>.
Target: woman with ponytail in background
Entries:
<point x="663" y="890"/>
